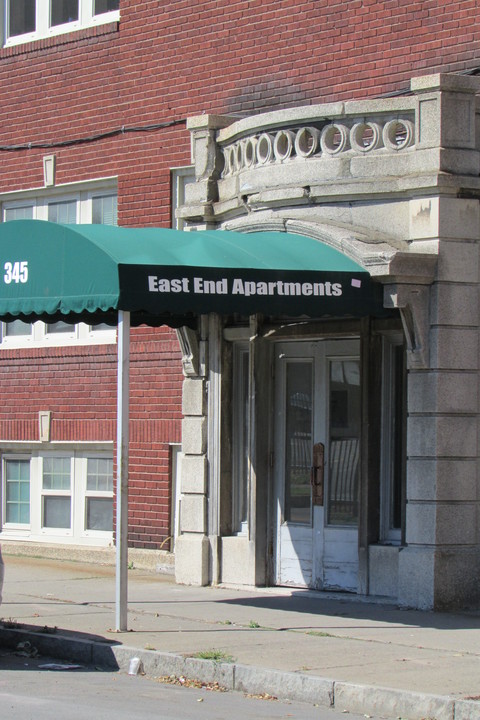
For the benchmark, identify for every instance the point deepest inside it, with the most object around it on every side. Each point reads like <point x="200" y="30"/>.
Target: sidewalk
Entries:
<point x="327" y="649"/>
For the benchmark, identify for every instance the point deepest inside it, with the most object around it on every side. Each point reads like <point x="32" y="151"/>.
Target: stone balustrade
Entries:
<point x="350" y="135"/>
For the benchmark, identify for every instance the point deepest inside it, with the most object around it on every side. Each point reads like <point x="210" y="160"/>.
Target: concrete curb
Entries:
<point x="341" y="696"/>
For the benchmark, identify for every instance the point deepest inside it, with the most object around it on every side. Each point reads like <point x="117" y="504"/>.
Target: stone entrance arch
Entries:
<point x="394" y="184"/>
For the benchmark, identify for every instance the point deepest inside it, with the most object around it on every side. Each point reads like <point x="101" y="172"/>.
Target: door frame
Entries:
<point x="319" y="351"/>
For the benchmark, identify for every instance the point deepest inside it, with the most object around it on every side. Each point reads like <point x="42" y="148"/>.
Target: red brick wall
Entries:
<point x="78" y="385"/>
<point x="166" y="61"/>
<point x="169" y="60"/>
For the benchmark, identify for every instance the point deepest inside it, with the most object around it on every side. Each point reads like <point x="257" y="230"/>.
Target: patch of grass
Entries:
<point x="10" y="623"/>
<point x="253" y="624"/>
<point x="319" y="633"/>
<point x="149" y="647"/>
<point x="215" y="655"/>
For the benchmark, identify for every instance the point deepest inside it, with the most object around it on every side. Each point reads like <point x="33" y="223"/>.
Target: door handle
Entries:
<point x="317" y="473"/>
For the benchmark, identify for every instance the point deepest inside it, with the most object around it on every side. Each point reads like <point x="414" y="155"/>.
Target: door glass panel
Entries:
<point x="344" y="442"/>
<point x="298" y="442"/>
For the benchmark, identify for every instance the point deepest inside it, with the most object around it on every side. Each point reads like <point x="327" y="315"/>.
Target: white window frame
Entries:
<point x="22" y="527"/>
<point x="45" y="493"/>
<point x="86" y="19"/>
<point x="78" y="532"/>
<point x="95" y="494"/>
<point x="39" y="199"/>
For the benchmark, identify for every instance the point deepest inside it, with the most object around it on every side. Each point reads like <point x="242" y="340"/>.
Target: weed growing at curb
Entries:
<point x="215" y="655"/>
<point x="10" y="623"/>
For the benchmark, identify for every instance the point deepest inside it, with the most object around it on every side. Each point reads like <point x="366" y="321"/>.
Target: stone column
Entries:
<point x="192" y="547"/>
<point x="439" y="568"/>
<point x="440" y="565"/>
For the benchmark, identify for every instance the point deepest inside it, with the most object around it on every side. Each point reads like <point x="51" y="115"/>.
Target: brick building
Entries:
<point x="322" y="121"/>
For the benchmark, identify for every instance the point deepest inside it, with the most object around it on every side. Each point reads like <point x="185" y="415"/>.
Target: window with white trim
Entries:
<point x="58" y="496"/>
<point x="86" y="206"/>
<point x="240" y="422"/>
<point x="99" y="494"/>
<point x="28" y="20"/>
<point x="393" y="447"/>
<point x="17" y="491"/>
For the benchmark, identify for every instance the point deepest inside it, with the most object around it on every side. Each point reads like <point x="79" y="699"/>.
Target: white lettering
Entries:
<point x="292" y="288"/>
<point x="212" y="287"/>
<point x="16" y="272"/>
<point x="164" y="285"/>
<point x="237" y="287"/>
<point x="152" y="283"/>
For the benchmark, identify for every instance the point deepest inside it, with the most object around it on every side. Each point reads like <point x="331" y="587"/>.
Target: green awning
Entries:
<point x="74" y="272"/>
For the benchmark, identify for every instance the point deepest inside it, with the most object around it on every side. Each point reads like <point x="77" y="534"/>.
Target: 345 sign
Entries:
<point x="16" y="272"/>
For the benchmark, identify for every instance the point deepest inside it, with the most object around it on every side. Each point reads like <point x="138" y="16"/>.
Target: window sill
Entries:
<point x="62" y="39"/>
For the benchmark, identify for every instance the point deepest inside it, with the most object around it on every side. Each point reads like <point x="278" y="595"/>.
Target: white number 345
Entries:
<point x="16" y="272"/>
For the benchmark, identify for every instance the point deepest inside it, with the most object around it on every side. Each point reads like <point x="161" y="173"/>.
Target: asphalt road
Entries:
<point x="31" y="691"/>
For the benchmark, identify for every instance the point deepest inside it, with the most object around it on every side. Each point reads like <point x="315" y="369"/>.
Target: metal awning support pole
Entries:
<point x="123" y="367"/>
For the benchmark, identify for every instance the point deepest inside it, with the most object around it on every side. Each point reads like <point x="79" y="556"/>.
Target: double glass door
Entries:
<point x="317" y="463"/>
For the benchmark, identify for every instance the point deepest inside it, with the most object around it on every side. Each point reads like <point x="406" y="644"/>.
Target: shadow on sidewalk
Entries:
<point x="313" y="602"/>
<point x="30" y="647"/>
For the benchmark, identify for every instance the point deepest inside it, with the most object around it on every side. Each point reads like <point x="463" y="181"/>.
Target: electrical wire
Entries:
<point x="92" y="138"/>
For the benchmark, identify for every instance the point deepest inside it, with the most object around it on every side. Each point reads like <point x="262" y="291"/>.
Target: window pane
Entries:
<point x="344" y="449"/>
<point x="19" y="213"/>
<point x="56" y="473"/>
<point x="298" y="442"/>
<point x="17" y="328"/>
<point x="100" y="474"/>
<point x="56" y="512"/>
<point x="398" y="439"/>
<point x="240" y="438"/>
<point x="59" y="327"/>
<point x="17" y="493"/>
<point x="102" y="327"/>
<point x="103" y="6"/>
<point x="104" y="210"/>
<point x="21" y="17"/>
<point x="99" y="514"/>
<point x="63" y="212"/>
<point x="64" y="11"/>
